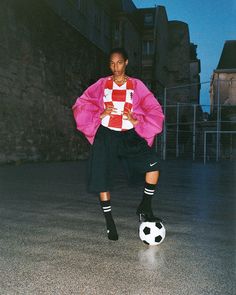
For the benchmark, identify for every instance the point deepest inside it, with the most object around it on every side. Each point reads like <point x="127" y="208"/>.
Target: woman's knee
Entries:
<point x="105" y="196"/>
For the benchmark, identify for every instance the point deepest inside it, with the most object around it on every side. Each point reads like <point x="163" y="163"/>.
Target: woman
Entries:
<point x="120" y="118"/>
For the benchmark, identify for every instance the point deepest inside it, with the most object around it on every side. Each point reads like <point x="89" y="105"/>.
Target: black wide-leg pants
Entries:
<point x="109" y="148"/>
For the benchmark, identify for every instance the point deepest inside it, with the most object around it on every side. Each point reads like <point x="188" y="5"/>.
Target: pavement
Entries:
<point x="53" y="238"/>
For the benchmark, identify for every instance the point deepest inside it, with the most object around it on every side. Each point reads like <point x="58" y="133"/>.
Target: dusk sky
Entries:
<point x="211" y="23"/>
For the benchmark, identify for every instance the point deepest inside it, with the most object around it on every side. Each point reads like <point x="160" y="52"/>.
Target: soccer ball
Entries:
<point x="152" y="233"/>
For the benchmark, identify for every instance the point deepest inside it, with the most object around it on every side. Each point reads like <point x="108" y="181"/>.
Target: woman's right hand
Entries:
<point x="107" y="112"/>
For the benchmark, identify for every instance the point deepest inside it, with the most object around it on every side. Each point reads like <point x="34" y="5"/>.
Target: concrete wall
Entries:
<point x="92" y="18"/>
<point x="44" y="65"/>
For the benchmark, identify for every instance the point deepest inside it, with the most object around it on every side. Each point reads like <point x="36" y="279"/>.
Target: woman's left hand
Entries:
<point x="128" y="116"/>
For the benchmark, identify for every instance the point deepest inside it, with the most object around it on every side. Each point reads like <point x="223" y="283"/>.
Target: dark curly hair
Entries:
<point x="119" y="50"/>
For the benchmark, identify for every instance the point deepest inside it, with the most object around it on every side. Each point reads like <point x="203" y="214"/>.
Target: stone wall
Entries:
<point x="44" y="65"/>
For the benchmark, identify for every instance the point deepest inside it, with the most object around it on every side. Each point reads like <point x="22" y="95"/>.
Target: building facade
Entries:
<point x="160" y="51"/>
<point x="223" y="81"/>
<point x="223" y="100"/>
<point x="154" y="48"/>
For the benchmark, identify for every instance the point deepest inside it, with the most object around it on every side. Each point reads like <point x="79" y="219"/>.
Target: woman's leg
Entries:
<point x="141" y="158"/>
<point x="145" y="208"/>
<point x="105" y="200"/>
<point x="100" y="174"/>
<point x="152" y="177"/>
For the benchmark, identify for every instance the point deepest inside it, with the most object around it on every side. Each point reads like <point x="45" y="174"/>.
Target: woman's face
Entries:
<point x="118" y="64"/>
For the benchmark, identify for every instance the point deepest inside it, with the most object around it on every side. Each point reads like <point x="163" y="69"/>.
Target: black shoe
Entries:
<point x="147" y="216"/>
<point x="112" y="235"/>
<point x="111" y="231"/>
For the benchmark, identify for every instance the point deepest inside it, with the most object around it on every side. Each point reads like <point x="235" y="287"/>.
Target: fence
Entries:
<point x="197" y="131"/>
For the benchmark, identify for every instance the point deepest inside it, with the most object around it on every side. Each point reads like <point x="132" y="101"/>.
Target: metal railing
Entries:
<point x="187" y="125"/>
<point x="205" y="142"/>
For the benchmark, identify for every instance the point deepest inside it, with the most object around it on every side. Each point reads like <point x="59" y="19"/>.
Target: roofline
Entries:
<point x="225" y="70"/>
<point x="174" y="21"/>
<point x="147" y="8"/>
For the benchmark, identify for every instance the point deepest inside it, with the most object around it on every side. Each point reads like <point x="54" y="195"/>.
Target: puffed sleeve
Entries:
<point x="87" y="109"/>
<point x="150" y="116"/>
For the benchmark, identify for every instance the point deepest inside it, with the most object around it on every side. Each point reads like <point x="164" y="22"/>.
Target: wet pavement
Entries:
<point x="53" y="238"/>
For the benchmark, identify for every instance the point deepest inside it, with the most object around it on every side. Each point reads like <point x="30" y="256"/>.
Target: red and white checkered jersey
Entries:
<point x="121" y="98"/>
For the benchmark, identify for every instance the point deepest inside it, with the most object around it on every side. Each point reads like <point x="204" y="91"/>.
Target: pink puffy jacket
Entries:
<point x="146" y="110"/>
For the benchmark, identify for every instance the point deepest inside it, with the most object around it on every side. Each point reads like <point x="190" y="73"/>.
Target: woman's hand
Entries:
<point x="128" y="116"/>
<point x="107" y="112"/>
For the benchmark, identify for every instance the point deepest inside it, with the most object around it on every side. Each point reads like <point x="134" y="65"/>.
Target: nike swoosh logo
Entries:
<point x="152" y="164"/>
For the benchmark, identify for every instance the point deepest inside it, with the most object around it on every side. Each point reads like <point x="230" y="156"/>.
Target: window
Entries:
<point x="148" y="47"/>
<point x="82" y="5"/>
<point x="79" y="4"/>
<point x="97" y="21"/>
<point x="117" y="31"/>
<point x="148" y="19"/>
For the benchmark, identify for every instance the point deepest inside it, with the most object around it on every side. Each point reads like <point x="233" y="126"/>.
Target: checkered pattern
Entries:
<point x="119" y="97"/>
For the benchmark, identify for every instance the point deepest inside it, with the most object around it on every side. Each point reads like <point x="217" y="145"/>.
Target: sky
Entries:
<point x="211" y="23"/>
